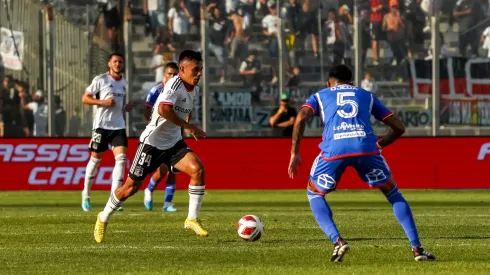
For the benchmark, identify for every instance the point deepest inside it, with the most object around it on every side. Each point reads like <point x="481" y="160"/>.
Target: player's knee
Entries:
<point x="197" y="170"/>
<point x="95" y="161"/>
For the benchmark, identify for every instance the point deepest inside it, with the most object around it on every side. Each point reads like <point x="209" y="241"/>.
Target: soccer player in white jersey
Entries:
<point x="162" y="143"/>
<point x="171" y="70"/>
<point x="107" y="93"/>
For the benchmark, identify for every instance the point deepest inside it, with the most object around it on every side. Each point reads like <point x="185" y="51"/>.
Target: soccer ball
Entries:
<point x="250" y="228"/>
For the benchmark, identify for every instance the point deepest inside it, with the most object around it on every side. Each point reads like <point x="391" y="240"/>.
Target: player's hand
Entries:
<point x="128" y="107"/>
<point x="294" y="164"/>
<point x="108" y="102"/>
<point x="194" y="131"/>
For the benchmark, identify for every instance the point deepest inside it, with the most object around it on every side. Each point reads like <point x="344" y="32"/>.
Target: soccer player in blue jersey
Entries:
<point x="348" y="140"/>
<point x="171" y="69"/>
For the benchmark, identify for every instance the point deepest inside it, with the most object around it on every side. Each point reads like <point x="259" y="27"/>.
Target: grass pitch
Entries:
<point x="47" y="233"/>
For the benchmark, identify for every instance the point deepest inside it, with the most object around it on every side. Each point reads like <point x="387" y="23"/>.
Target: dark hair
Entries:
<point x="341" y="72"/>
<point x="116" y="54"/>
<point x="190" y="55"/>
<point x="172" y="65"/>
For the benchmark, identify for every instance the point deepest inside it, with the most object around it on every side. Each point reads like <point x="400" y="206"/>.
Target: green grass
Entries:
<point x="47" y="233"/>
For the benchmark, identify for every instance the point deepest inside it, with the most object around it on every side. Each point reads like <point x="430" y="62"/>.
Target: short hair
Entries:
<point x="340" y="72"/>
<point x="115" y="54"/>
<point x="190" y="55"/>
<point x="172" y="65"/>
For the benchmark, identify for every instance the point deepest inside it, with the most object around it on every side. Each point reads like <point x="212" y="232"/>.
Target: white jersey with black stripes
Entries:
<point x="161" y="133"/>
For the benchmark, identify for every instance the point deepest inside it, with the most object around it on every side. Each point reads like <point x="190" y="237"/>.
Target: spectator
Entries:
<point x="270" y="24"/>
<point x="112" y="20"/>
<point x="294" y="79"/>
<point x="238" y="48"/>
<point x="247" y="6"/>
<point x="369" y="84"/>
<point x="75" y="127"/>
<point x="219" y="37"/>
<point x="155" y="11"/>
<point x="40" y="112"/>
<point x="366" y="35"/>
<point x="160" y="59"/>
<point x="309" y="26"/>
<point x="59" y="118"/>
<point x="394" y="27"/>
<point x="415" y="21"/>
<point x="377" y="34"/>
<point x="262" y="8"/>
<point x="250" y="72"/>
<point x="282" y="118"/>
<point x="336" y="34"/>
<point x="178" y="24"/>
<point x="468" y="13"/>
<point x="345" y="15"/>
<point x="24" y="100"/>
<point x="444" y="49"/>
<point x="194" y="8"/>
<point x="485" y="38"/>
<point x="14" y="122"/>
<point x="291" y="13"/>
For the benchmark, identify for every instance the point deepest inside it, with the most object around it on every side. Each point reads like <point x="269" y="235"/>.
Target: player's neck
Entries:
<point x="115" y="75"/>
<point x="189" y="87"/>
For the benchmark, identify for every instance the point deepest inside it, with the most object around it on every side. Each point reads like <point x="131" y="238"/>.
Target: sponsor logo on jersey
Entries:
<point x="182" y="110"/>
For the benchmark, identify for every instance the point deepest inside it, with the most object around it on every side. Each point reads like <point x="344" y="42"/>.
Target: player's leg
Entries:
<point x="98" y="145"/>
<point x="186" y="161"/>
<point x="375" y="171"/>
<point x="155" y="179"/>
<point x="324" y="177"/>
<point x="147" y="158"/>
<point x="119" y="142"/>
<point x="170" y="185"/>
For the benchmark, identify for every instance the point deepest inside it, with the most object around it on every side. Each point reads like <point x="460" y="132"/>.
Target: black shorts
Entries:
<point x="101" y="138"/>
<point x="377" y="33"/>
<point x="149" y="158"/>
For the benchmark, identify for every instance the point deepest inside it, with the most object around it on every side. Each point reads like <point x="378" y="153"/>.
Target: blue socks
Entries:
<point x="404" y="215"/>
<point x="169" y="191"/>
<point x="152" y="185"/>
<point x="323" y="215"/>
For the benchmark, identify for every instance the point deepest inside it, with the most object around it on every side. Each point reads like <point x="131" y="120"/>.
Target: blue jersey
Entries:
<point x="346" y="112"/>
<point x="153" y="93"/>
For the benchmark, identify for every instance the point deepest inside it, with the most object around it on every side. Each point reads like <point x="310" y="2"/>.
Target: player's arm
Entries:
<point x="167" y="100"/>
<point x="151" y="98"/>
<point x="304" y="114"/>
<point x="94" y="89"/>
<point x="382" y="113"/>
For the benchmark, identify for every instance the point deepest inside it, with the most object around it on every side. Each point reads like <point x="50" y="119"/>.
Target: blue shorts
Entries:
<point x="326" y="174"/>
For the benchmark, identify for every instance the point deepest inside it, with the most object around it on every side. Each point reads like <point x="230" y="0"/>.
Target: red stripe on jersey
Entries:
<point x="166" y="103"/>
<point x="309" y="106"/>
<point x="387" y="116"/>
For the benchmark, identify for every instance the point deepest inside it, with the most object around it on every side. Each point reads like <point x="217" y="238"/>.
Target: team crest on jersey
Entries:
<point x="376" y="175"/>
<point x="138" y="171"/>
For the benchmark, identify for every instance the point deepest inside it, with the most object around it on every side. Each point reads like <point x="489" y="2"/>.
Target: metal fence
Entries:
<point x="79" y="53"/>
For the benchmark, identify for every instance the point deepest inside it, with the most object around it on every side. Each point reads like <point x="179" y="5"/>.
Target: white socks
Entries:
<point x="112" y="205"/>
<point x="196" y="195"/>
<point x="118" y="172"/>
<point x="90" y="173"/>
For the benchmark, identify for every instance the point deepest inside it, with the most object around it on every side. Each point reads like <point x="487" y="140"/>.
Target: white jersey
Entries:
<point x="103" y="87"/>
<point x="161" y="133"/>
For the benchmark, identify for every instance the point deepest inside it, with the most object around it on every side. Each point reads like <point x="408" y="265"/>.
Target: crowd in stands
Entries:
<point x="24" y="113"/>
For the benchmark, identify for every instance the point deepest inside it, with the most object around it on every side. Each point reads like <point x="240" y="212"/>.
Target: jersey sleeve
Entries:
<point x="312" y="103"/>
<point x="379" y="110"/>
<point x="94" y="87"/>
<point x="168" y="97"/>
<point x="151" y="96"/>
